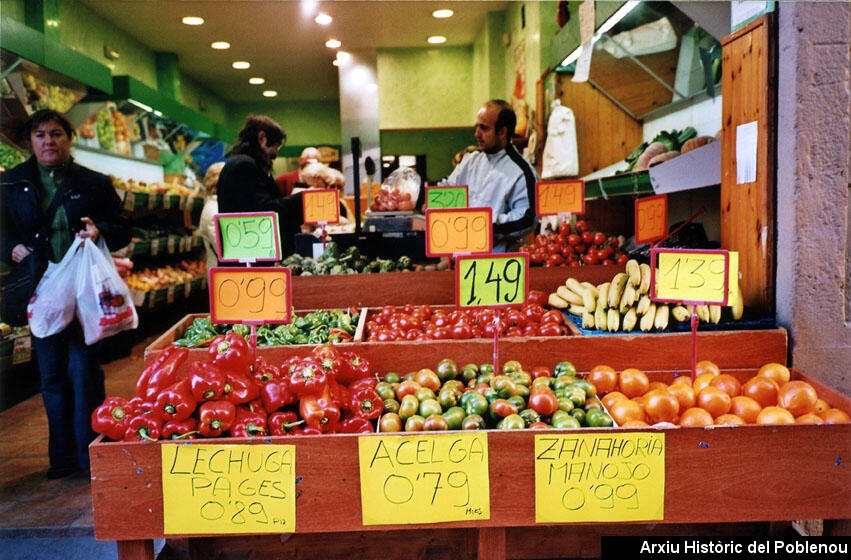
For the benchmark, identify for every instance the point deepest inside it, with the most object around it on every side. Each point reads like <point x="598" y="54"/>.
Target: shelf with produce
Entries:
<point x="170" y="245"/>
<point x="15" y="345"/>
<point x="155" y="201"/>
<point x="149" y="288"/>
<point x="152" y="299"/>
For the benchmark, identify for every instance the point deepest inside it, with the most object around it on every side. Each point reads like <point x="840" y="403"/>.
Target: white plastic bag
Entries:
<point x="561" y="157"/>
<point x="52" y="306"/>
<point x="104" y="306"/>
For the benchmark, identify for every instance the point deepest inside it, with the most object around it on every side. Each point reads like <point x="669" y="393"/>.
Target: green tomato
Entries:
<point x="577" y="395"/>
<point x="511" y="365"/>
<point x="446" y="369"/>
<point x="391" y="405"/>
<point x="587" y="386"/>
<point x="392" y="377"/>
<point x="424" y="393"/>
<point x="486" y="369"/>
<point x="385" y="390"/>
<point x="512" y="422"/>
<point x="468" y="372"/>
<point x="523" y="391"/>
<point x="563" y="382"/>
<point x="548" y="381"/>
<point x="448" y="397"/>
<point x="596" y="418"/>
<point x="566" y="423"/>
<point x="517" y="401"/>
<point x="473" y="422"/>
<point x="521" y="378"/>
<point x="454" y="417"/>
<point x="529" y="416"/>
<point x="579" y="414"/>
<point x="475" y="404"/>
<point x="484" y="378"/>
<point x="564" y="368"/>
<point x="415" y="423"/>
<point x="429" y="407"/>
<point x="408" y="406"/>
<point x="504" y="385"/>
<point x="565" y="404"/>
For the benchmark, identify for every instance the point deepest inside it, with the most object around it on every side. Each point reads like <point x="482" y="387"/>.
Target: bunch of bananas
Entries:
<point x="624" y="303"/>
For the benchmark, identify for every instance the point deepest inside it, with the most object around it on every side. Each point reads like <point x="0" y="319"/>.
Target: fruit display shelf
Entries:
<point x="170" y="245"/>
<point x="152" y="201"/>
<point x="748" y="322"/>
<point x="152" y="299"/>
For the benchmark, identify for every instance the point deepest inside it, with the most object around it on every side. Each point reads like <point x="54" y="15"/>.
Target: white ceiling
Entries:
<point x="280" y="39"/>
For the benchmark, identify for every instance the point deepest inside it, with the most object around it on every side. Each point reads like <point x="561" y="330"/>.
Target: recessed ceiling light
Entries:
<point x="323" y="19"/>
<point x="270" y="93"/>
<point x="436" y="39"/>
<point x="442" y="14"/>
<point x="241" y="65"/>
<point x="220" y="45"/>
<point x="192" y="20"/>
<point x="256" y="81"/>
<point x="333" y="44"/>
<point x="335" y="62"/>
<point x="343" y="57"/>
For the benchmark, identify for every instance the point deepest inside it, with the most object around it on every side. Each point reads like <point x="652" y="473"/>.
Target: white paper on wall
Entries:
<point x="746" y="142"/>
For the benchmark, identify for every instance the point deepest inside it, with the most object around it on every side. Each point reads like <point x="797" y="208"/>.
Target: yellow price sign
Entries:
<point x="228" y="489"/>
<point x="246" y="295"/>
<point x="495" y="280"/>
<point x="560" y="197"/>
<point x="424" y="478"/>
<point x="458" y="231"/>
<point x="321" y="206"/>
<point x="691" y="276"/>
<point x="651" y="218"/>
<point x="733" y="279"/>
<point x="599" y="477"/>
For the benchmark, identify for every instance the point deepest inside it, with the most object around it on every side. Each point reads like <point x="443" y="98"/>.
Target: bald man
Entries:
<point x="287" y="181"/>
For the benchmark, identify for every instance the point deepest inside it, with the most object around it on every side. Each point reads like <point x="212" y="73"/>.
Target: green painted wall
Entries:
<point x="439" y="147"/>
<point x="308" y="123"/>
<point x="489" y="60"/>
<point x="202" y="100"/>
<point x="12" y="9"/>
<point x="429" y="87"/>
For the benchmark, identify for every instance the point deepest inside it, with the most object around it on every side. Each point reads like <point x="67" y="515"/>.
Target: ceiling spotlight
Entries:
<point x="256" y="81"/>
<point x="192" y="20"/>
<point x="333" y="44"/>
<point x="436" y="39"/>
<point x="241" y="65"/>
<point x="323" y="19"/>
<point x="335" y="62"/>
<point x="270" y="93"/>
<point x="220" y="45"/>
<point x="342" y="57"/>
<point x="442" y="14"/>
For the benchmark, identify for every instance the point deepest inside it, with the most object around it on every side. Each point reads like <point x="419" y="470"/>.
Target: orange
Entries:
<point x="777" y="372"/>
<point x="625" y="410"/>
<point x="702" y="381"/>
<point x="684" y="394"/>
<point x="729" y="420"/>
<point x="681" y="379"/>
<point x="727" y="383"/>
<point x="655" y="385"/>
<point x="695" y="417"/>
<point x="745" y="408"/>
<point x="835" y="416"/>
<point x="633" y="382"/>
<point x="761" y="389"/>
<point x="798" y="397"/>
<point x="714" y="401"/>
<point x="821" y="406"/>
<point x="611" y="398"/>
<point x="604" y="378"/>
<point x="705" y="366"/>
<point x="774" y="415"/>
<point x="809" y="418"/>
<point x="634" y="423"/>
<point x="661" y="406"/>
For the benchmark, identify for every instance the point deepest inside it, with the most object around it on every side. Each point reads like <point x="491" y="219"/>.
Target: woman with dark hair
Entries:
<point x="46" y="201"/>
<point x="246" y="183"/>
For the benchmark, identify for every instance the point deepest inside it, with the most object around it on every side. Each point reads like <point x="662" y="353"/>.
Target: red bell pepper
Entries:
<point x="340" y="395"/>
<point x="283" y="423"/>
<point x="265" y="372"/>
<point x="365" y="383"/>
<point x="239" y="388"/>
<point x="366" y="404"/>
<point x="111" y="418"/>
<point x="206" y="381"/>
<point x="330" y="359"/>
<point x="231" y="353"/>
<point x="145" y="427"/>
<point x="308" y="378"/>
<point x="276" y="394"/>
<point x="307" y="431"/>
<point x="161" y="373"/>
<point x="356" y="425"/>
<point x="215" y="417"/>
<point x="356" y="368"/>
<point x="140" y="405"/>
<point x="288" y="367"/>
<point x="320" y="412"/>
<point x="248" y="423"/>
<point x="180" y="429"/>
<point x="176" y="402"/>
<point x="257" y="404"/>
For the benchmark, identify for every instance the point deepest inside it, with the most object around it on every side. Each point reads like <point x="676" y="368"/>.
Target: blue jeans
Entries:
<point x="72" y="386"/>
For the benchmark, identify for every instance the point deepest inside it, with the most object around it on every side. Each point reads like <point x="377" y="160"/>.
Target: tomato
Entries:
<point x="440" y="321"/>
<point x="621" y="258"/>
<point x="566" y="251"/>
<point x="537" y="296"/>
<point x="552" y="316"/>
<point x="442" y="333"/>
<point x="601" y="254"/>
<point x="461" y="331"/>
<point x="513" y="331"/>
<point x="581" y="226"/>
<point x="541" y="240"/>
<point x="607" y="262"/>
<point x="390" y="422"/>
<point x="538" y="257"/>
<point x="515" y="318"/>
<point x="533" y="312"/>
<point x="580" y="249"/>
<point x="590" y="258"/>
<point x="573" y="239"/>
<point x="531" y="329"/>
<point x="555" y="259"/>
<point x="476" y="332"/>
<point x="551" y="329"/>
<point x="599" y="238"/>
<point x="587" y="237"/>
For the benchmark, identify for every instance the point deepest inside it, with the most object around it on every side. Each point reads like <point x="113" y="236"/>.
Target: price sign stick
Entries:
<point x="324" y="235"/>
<point x="495" y="342"/>
<point x="694" y="322"/>
<point x="684" y="224"/>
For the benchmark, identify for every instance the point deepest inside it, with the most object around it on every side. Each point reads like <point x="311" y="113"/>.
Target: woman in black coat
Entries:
<point x="72" y="383"/>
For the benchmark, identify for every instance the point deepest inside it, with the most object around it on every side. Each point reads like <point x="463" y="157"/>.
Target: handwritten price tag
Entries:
<point x="733" y="279"/>
<point x="424" y="478"/>
<point x="599" y="477"/>
<point x="689" y="275"/>
<point x="248" y="237"/>
<point x="447" y="197"/>
<point x="495" y="280"/>
<point x="456" y="231"/>
<point x="227" y="489"/>
<point x="559" y="197"/>
<point x="248" y="295"/>
<point x="321" y="206"/>
<point x="651" y="218"/>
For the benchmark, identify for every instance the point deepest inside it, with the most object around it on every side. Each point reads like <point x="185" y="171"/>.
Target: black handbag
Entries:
<point x="20" y="284"/>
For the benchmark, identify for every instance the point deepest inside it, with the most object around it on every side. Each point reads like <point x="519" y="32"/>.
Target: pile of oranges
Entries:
<point x="769" y="397"/>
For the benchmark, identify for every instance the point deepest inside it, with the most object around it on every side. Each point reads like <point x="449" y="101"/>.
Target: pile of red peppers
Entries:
<point x="231" y="394"/>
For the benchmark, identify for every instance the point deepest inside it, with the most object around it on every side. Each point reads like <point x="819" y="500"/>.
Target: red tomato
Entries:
<point x="552" y="316"/>
<point x="537" y="296"/>
<point x="515" y="318"/>
<point x="599" y="238"/>
<point x="513" y="331"/>
<point x="533" y="312"/>
<point x="383" y="336"/>
<point x="551" y="329"/>
<point x="440" y="321"/>
<point x="573" y="263"/>
<point x="555" y="259"/>
<point x="587" y="237"/>
<point x="621" y="259"/>
<point x="413" y="334"/>
<point x="590" y="258"/>
<point x="485" y="317"/>
<point x="607" y="262"/>
<point x="566" y="251"/>
<point x="573" y="239"/>
<point x="540" y="371"/>
<point x="476" y="332"/>
<point x="441" y="334"/>
<point x="580" y="249"/>
<point x="553" y="248"/>
<point x="541" y="239"/>
<point x="581" y="226"/>
<point x="564" y="228"/>
<point x="561" y="239"/>
<point x="538" y="256"/>
<point x="461" y="331"/>
<point x="530" y="329"/>
<point x="388" y="310"/>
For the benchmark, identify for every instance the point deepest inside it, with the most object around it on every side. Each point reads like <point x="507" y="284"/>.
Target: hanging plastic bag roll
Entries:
<point x="104" y="306"/>
<point x="52" y="306"/>
<point x="561" y="157"/>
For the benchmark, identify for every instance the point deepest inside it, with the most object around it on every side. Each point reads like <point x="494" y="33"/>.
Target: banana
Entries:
<point x="556" y="301"/>
<point x="646" y="322"/>
<point x="644" y="286"/>
<point x="577" y="310"/>
<point x="633" y="271"/>
<point x="661" y="320"/>
<point x="738" y="309"/>
<point x="600" y="318"/>
<point x="680" y="313"/>
<point x="603" y="299"/>
<point x="587" y="320"/>
<point x="569" y="296"/>
<point x="591" y="288"/>
<point x="573" y="284"/>
<point x="703" y="313"/>
<point x="643" y="304"/>
<point x="715" y="314"/>
<point x="629" y="320"/>
<point x="616" y="289"/>
<point x="627" y="298"/>
<point x="588" y="300"/>
<point x="613" y="319"/>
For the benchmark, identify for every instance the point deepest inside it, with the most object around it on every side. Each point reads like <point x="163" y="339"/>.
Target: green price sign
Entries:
<point x="494" y="280"/>
<point x="248" y="237"/>
<point x="446" y="197"/>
